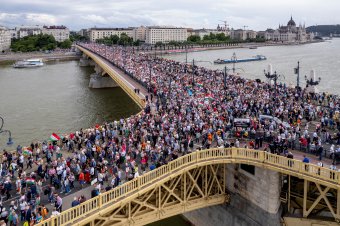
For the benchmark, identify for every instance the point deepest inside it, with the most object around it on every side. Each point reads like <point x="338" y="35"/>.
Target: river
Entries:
<point x="36" y="102"/>
<point x="323" y="57"/>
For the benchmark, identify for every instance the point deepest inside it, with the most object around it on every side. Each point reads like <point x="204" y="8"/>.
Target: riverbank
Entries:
<point x="240" y="46"/>
<point x="62" y="56"/>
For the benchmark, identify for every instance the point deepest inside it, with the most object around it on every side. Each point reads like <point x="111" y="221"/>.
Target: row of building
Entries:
<point x="149" y="35"/>
<point x="60" y="33"/>
<point x="153" y="34"/>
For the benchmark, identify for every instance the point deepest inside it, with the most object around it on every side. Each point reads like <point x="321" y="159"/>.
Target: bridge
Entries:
<point x="124" y="81"/>
<point x="197" y="180"/>
<point x="194" y="181"/>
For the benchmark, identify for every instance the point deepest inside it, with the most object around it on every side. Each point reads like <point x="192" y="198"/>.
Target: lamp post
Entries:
<point x="10" y="140"/>
<point x="297" y="72"/>
<point x="234" y="59"/>
<point x="225" y="77"/>
<point x="272" y="76"/>
<point x="193" y="73"/>
<point x="193" y="68"/>
<point x="150" y="76"/>
<point x="312" y="81"/>
<point x="170" y="83"/>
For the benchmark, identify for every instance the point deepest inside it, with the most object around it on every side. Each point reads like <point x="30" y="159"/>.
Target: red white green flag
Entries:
<point x="54" y="137"/>
<point x="200" y="84"/>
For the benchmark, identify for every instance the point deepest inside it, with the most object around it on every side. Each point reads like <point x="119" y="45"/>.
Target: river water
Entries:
<point x="36" y="102"/>
<point x="323" y="57"/>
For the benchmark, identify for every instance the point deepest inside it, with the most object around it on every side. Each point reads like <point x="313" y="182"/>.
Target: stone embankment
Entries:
<point x="11" y="57"/>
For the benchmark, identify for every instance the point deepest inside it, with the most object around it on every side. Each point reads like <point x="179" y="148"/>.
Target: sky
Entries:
<point x="255" y="14"/>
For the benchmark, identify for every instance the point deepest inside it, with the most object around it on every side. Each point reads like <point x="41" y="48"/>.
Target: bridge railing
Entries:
<point x="113" y="73"/>
<point x="217" y="155"/>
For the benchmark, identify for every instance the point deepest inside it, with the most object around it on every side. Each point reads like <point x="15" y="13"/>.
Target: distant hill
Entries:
<point x="325" y="30"/>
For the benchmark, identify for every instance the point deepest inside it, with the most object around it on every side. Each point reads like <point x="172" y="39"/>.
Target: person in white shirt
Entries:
<point x="320" y="164"/>
<point x="237" y="143"/>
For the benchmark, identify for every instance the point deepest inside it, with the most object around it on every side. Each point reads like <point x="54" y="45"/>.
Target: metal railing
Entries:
<point x="206" y="157"/>
<point x="114" y="75"/>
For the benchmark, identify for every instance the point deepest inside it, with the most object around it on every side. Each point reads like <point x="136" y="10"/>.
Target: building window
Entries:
<point x="248" y="168"/>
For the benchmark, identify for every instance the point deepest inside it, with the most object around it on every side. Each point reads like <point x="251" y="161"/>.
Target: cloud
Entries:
<point x="257" y="15"/>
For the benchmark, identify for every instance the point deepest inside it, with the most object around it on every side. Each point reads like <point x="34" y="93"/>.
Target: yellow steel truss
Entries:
<point x="190" y="182"/>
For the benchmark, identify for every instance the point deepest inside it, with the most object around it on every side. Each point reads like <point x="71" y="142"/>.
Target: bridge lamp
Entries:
<point x="10" y="140"/>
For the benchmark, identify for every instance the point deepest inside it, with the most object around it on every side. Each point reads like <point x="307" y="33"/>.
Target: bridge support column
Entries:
<point x="254" y="201"/>
<point x="100" y="79"/>
<point x="84" y="61"/>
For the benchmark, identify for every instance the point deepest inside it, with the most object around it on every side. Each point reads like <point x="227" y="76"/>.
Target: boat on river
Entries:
<point x="235" y="60"/>
<point x="29" y="63"/>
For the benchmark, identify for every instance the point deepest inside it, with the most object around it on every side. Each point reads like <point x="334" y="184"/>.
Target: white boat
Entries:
<point x="28" y="63"/>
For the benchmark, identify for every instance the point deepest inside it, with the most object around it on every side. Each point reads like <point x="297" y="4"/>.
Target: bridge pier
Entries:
<point x="100" y="79"/>
<point x="85" y="61"/>
<point x="254" y="201"/>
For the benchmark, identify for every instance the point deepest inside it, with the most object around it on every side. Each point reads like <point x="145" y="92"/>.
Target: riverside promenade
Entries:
<point x="58" y="55"/>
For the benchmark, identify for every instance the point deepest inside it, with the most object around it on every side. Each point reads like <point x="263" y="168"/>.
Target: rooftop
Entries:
<point x="55" y="27"/>
<point x="114" y="29"/>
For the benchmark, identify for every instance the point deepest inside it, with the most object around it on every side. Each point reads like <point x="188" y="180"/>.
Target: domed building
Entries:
<point x="290" y="33"/>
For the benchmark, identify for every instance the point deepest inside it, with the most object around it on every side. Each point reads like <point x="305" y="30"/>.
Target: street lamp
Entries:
<point x="297" y="72"/>
<point x="150" y="76"/>
<point x="312" y="80"/>
<point x="269" y="75"/>
<point x="225" y="74"/>
<point x="10" y="140"/>
<point x="193" y="68"/>
<point x="193" y="73"/>
<point x="170" y="83"/>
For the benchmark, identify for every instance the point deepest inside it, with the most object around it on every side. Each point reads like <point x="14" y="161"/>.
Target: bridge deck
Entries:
<point x="127" y="83"/>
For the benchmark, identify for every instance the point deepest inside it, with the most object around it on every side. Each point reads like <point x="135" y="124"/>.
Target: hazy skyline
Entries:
<point x="257" y="15"/>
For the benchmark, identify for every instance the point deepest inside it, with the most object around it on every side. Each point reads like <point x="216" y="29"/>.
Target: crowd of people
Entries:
<point x="187" y="108"/>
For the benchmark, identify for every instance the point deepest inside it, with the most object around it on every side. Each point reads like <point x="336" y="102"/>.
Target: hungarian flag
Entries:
<point x="27" y="151"/>
<point x="30" y="181"/>
<point x="199" y="84"/>
<point x="54" y="137"/>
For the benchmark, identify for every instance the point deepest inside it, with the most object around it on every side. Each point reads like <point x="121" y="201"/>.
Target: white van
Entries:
<point x="286" y="125"/>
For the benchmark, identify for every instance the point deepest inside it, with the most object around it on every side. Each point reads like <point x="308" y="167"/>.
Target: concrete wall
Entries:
<point x="255" y="201"/>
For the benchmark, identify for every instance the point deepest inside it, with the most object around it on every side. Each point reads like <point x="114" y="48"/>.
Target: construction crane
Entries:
<point x="226" y="25"/>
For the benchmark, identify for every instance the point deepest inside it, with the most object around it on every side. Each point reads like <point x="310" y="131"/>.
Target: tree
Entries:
<point x="65" y="44"/>
<point x="194" y="38"/>
<point x="114" y="39"/>
<point x="37" y="43"/>
<point x="222" y="37"/>
<point x="158" y="44"/>
<point x="173" y="43"/>
<point x="125" y="40"/>
<point x="76" y="37"/>
<point x="136" y="43"/>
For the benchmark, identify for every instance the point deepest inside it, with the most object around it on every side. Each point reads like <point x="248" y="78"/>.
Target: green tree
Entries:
<point x="125" y="40"/>
<point x="194" y="38"/>
<point x="158" y="44"/>
<point x="136" y="43"/>
<point x="65" y="44"/>
<point x="114" y="39"/>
